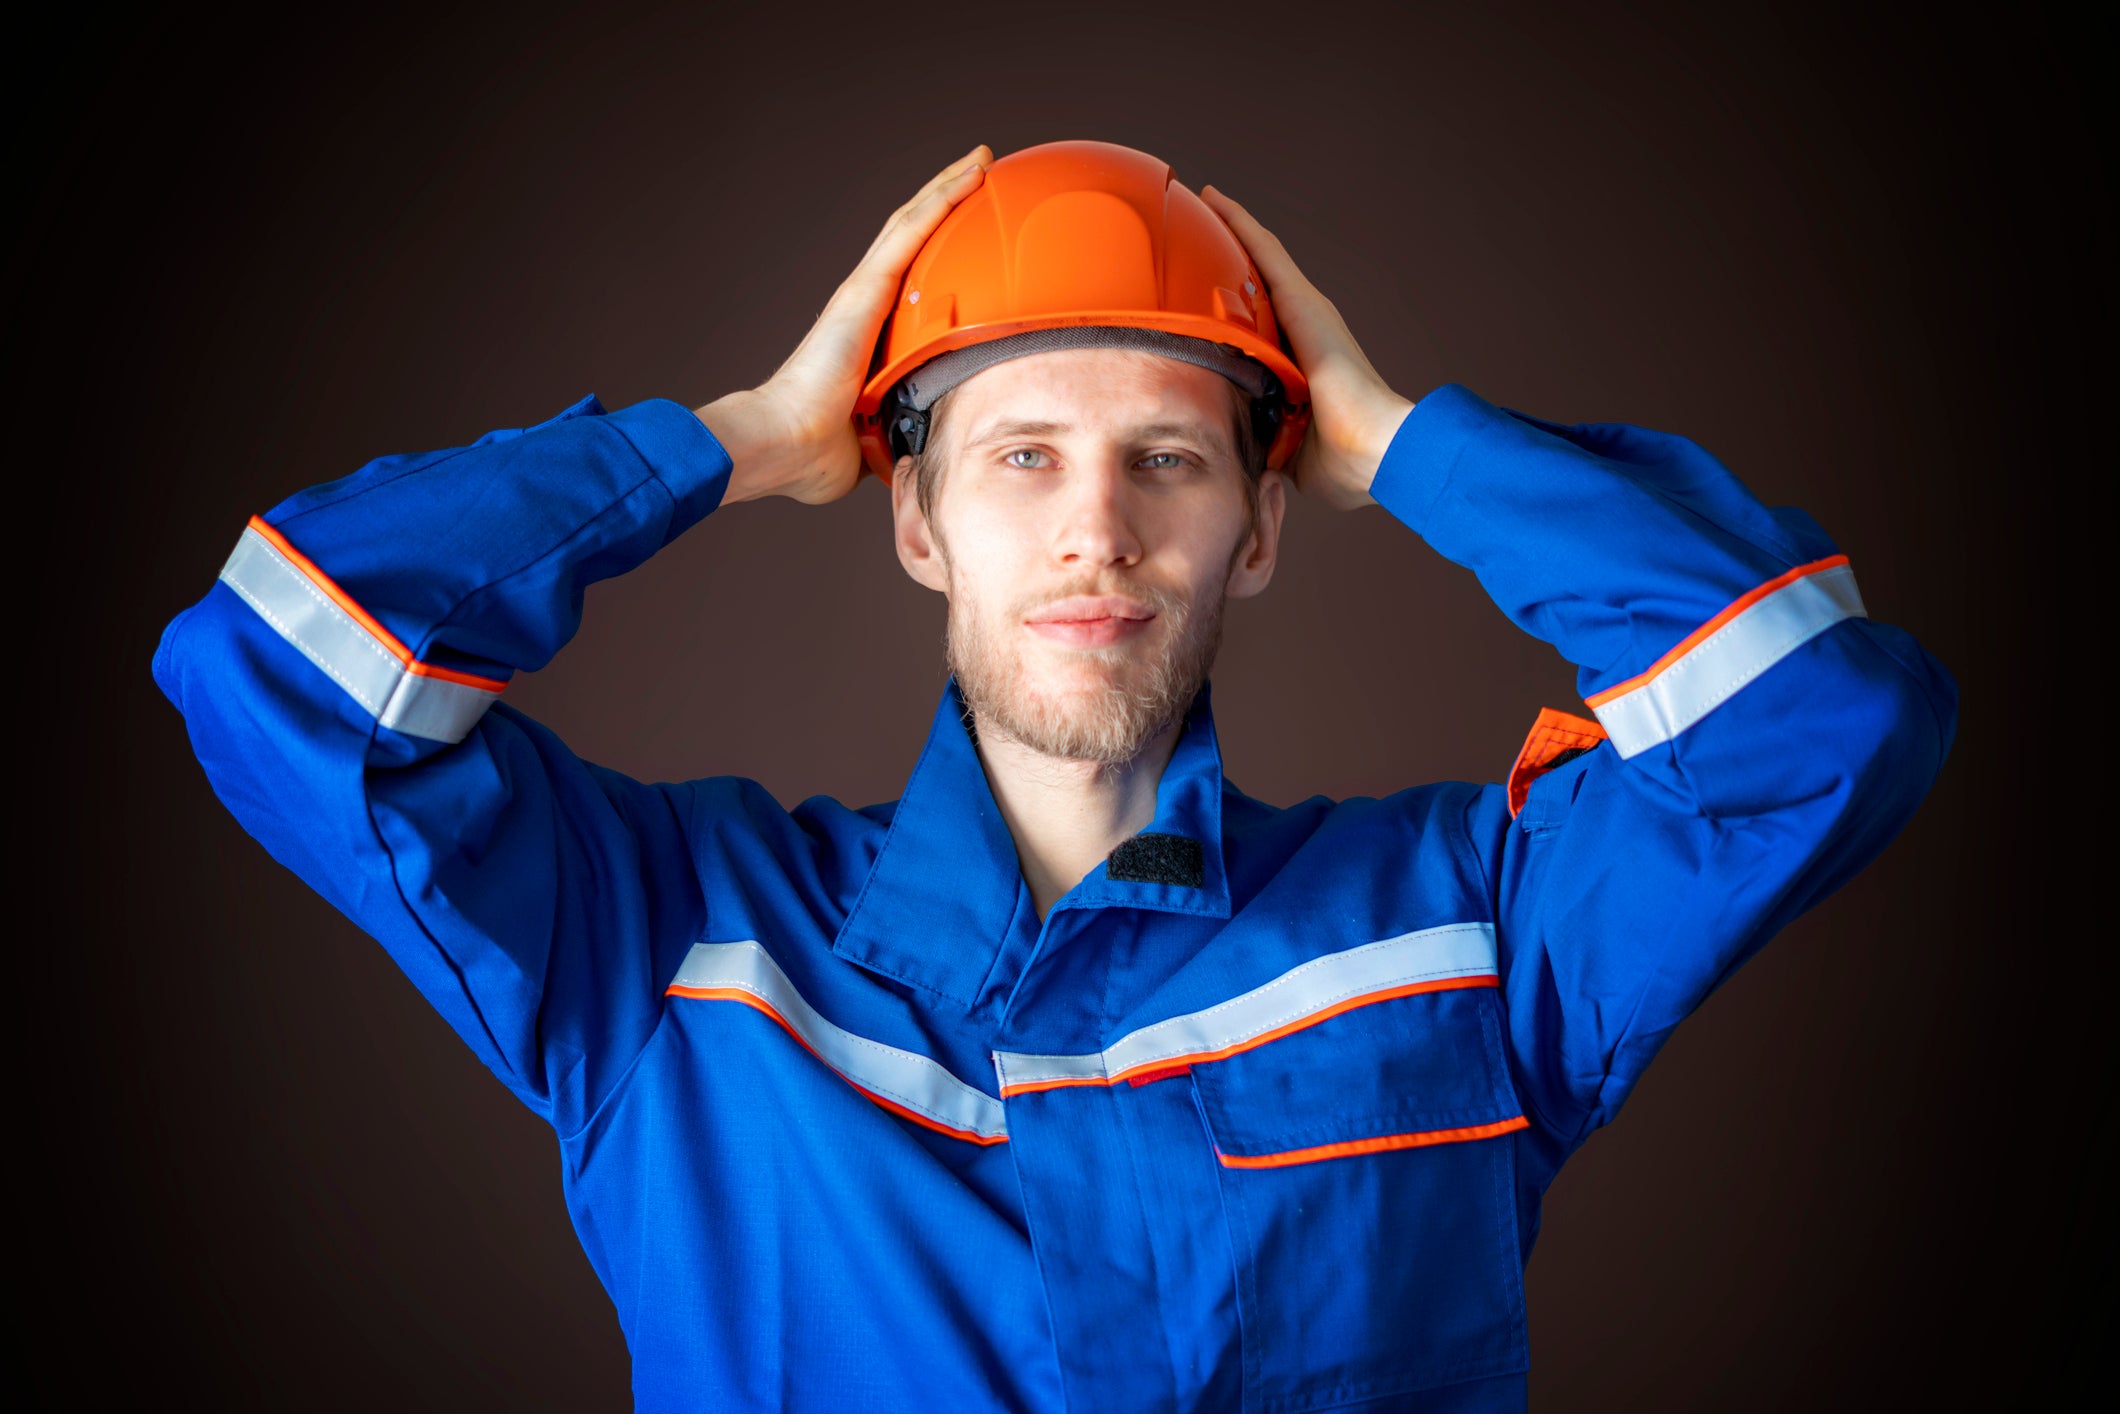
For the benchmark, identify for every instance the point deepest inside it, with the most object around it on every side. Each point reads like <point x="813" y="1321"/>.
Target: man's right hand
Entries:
<point x="793" y="435"/>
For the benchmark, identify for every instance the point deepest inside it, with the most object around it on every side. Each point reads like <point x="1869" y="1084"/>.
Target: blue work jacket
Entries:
<point x="1257" y="1117"/>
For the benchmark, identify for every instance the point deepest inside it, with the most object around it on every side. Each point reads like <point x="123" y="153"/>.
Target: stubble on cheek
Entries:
<point x="1116" y="698"/>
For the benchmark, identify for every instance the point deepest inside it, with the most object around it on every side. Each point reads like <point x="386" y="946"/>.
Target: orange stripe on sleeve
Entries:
<point x="330" y="589"/>
<point x="1707" y="630"/>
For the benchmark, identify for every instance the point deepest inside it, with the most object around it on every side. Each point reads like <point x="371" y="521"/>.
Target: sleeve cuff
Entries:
<point x="1424" y="452"/>
<point x="682" y="453"/>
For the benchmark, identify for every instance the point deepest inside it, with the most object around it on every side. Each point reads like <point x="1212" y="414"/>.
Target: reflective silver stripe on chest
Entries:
<point x="1430" y="959"/>
<point x="905" y="1081"/>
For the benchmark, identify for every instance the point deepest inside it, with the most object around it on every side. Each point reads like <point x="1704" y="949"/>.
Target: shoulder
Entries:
<point x="1435" y="806"/>
<point x="734" y="823"/>
<point x="1436" y="838"/>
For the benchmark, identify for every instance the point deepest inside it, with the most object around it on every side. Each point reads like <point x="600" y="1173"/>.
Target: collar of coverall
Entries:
<point x="943" y="894"/>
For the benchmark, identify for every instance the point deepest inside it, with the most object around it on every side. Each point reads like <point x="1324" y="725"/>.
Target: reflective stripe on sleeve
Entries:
<point x="313" y="614"/>
<point x="1709" y="666"/>
<point x="908" y="1084"/>
<point x="1431" y="960"/>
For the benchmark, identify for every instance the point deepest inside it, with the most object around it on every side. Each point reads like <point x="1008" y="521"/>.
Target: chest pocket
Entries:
<point x="1367" y="1173"/>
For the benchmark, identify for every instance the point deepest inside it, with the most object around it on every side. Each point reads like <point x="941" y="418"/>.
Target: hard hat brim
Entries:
<point x="875" y="442"/>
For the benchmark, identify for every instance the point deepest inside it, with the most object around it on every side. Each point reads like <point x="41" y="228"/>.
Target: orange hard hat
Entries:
<point x="1072" y="245"/>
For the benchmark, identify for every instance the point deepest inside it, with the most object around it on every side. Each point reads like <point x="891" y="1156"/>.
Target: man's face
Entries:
<point x="1091" y="520"/>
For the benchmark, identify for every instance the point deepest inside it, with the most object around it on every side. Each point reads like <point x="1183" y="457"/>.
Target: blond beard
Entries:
<point x="1112" y="720"/>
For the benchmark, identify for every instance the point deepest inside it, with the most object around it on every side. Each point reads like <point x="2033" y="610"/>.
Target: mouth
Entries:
<point x="1087" y="621"/>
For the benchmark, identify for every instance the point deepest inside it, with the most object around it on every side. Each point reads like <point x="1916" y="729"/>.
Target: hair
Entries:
<point x="929" y="465"/>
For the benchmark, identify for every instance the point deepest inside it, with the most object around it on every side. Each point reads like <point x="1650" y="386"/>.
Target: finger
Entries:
<point x="911" y="225"/>
<point x="845" y="331"/>
<point x="1315" y="327"/>
<point x="980" y="158"/>
<point x="982" y="154"/>
<point x="1264" y="246"/>
<point x="888" y="256"/>
<point x="926" y="212"/>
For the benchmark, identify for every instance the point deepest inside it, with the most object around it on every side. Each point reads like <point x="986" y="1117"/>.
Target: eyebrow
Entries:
<point x="1150" y="432"/>
<point x="1003" y="431"/>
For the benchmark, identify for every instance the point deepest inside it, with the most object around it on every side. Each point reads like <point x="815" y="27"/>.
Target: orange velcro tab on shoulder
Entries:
<point x="1555" y="736"/>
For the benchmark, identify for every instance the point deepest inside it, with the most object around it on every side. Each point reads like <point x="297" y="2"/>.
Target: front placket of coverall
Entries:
<point x="1102" y="1170"/>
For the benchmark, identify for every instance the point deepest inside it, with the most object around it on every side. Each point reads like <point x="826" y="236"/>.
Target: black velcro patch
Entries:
<point x="1157" y="859"/>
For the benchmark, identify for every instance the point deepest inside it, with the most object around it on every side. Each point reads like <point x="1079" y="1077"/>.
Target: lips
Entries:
<point x="1084" y="608"/>
<point x="1091" y="621"/>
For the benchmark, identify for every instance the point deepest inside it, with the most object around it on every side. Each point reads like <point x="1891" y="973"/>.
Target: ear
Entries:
<point x="1255" y="560"/>
<point x="917" y="550"/>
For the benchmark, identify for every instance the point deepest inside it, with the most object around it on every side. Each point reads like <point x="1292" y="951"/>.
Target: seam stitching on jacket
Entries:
<point x="592" y="1112"/>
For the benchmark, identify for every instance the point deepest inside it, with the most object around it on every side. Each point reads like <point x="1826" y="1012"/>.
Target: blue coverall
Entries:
<point x="1258" y="1116"/>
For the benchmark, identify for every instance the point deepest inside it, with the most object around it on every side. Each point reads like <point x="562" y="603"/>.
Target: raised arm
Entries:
<point x="1764" y="737"/>
<point x="343" y="684"/>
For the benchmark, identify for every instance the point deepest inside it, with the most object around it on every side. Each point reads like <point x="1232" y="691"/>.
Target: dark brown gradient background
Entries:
<point x="1865" y="261"/>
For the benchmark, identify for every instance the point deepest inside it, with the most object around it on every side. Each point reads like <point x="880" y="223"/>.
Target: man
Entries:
<point x="1075" y="1078"/>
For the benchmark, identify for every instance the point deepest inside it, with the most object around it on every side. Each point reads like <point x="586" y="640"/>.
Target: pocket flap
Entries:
<point x="1400" y="1074"/>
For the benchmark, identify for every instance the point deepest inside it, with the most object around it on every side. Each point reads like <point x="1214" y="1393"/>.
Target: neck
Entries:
<point x="1066" y="816"/>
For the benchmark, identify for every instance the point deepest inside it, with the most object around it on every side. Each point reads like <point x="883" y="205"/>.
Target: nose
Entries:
<point x="1094" y="525"/>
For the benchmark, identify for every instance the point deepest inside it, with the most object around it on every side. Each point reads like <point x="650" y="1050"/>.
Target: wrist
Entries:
<point x="1362" y="456"/>
<point x="745" y="426"/>
<point x="1384" y="423"/>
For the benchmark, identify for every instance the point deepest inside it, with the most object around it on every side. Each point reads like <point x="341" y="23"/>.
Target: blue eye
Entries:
<point x="1022" y="452"/>
<point x="1172" y="461"/>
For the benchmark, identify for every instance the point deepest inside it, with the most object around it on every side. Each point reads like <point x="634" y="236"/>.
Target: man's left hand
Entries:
<point x="1353" y="412"/>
